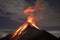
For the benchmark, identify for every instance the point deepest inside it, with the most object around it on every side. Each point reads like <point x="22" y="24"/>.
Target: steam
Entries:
<point x="15" y="9"/>
<point x="39" y="9"/>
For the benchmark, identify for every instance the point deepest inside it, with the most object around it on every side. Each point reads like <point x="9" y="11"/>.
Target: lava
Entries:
<point x="29" y="12"/>
<point x="30" y="21"/>
<point x="19" y="30"/>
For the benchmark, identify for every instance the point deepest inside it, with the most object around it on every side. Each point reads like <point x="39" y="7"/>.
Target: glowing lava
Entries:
<point x="29" y="12"/>
<point x="19" y="30"/>
<point x="30" y="21"/>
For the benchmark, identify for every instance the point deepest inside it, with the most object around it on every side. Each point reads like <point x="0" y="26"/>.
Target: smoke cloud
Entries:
<point x="39" y="7"/>
<point x="13" y="9"/>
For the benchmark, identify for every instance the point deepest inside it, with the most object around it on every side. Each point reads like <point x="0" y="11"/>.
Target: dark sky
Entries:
<point x="11" y="13"/>
<point x="53" y="12"/>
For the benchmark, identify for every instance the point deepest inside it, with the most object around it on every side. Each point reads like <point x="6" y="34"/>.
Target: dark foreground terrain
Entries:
<point x="31" y="33"/>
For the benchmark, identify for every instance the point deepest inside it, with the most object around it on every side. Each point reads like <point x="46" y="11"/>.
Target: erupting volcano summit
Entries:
<point x="30" y="21"/>
<point x="29" y="30"/>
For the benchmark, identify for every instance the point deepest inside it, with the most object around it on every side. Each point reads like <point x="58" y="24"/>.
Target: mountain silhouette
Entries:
<point x="31" y="33"/>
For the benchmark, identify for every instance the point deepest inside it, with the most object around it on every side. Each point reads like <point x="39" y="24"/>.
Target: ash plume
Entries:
<point x="40" y="7"/>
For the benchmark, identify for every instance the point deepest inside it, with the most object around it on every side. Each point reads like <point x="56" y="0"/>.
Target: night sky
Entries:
<point x="12" y="16"/>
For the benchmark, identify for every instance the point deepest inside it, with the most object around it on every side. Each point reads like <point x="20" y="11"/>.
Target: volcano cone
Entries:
<point x="31" y="33"/>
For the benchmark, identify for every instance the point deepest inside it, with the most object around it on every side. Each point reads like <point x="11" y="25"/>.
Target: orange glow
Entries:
<point x="30" y="21"/>
<point x="29" y="12"/>
<point x="19" y="30"/>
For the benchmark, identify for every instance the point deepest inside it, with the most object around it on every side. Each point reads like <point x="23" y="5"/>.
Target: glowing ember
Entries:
<point x="29" y="12"/>
<point x="30" y="21"/>
<point x="19" y="30"/>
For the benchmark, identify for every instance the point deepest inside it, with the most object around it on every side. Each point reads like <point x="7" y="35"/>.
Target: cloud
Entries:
<point x="52" y="16"/>
<point x="13" y="9"/>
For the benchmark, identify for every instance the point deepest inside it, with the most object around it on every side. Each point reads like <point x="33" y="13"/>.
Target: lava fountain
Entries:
<point x="29" y="11"/>
<point x="30" y="21"/>
<point x="34" y="32"/>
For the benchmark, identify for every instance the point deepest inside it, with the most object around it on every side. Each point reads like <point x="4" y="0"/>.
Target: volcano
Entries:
<point x="29" y="30"/>
<point x="32" y="33"/>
